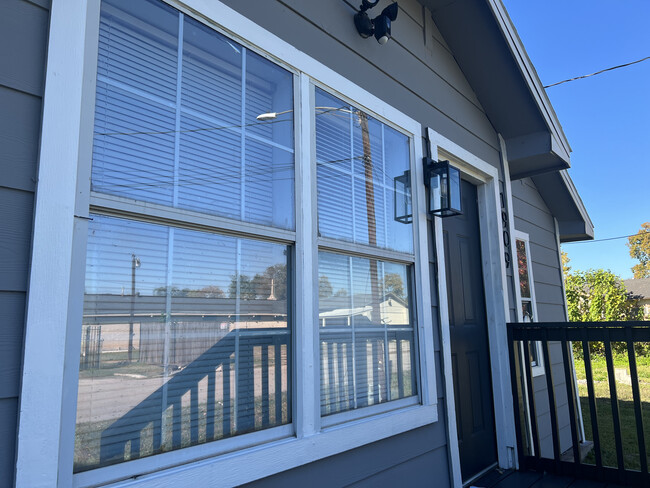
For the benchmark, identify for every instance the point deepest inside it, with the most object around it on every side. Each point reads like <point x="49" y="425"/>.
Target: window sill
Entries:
<point x="260" y="461"/>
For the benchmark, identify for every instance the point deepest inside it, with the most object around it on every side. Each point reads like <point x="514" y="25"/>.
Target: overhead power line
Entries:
<point x="598" y="72"/>
<point x="608" y="239"/>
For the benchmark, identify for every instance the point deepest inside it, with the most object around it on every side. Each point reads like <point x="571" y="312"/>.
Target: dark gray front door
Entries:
<point x="469" y="338"/>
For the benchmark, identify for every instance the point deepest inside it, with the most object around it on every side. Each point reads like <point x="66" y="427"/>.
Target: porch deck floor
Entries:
<point x="530" y="479"/>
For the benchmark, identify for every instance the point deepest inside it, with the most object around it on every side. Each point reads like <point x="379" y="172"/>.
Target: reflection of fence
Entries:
<point x="237" y="373"/>
<point x="365" y="367"/>
<point x="629" y="333"/>
<point x="91" y="347"/>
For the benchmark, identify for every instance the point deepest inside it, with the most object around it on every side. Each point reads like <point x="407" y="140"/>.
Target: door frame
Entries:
<point x="486" y="179"/>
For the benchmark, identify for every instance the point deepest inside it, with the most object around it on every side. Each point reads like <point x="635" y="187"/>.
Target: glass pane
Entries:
<point x="358" y="159"/>
<point x="366" y="332"/>
<point x="185" y="339"/>
<point x="182" y="130"/>
<point x="522" y="263"/>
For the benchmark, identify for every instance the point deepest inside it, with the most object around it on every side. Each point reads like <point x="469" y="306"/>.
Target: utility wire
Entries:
<point x="608" y="239"/>
<point x="598" y="72"/>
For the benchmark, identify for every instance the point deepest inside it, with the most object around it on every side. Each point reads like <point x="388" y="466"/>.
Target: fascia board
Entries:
<point x="529" y="74"/>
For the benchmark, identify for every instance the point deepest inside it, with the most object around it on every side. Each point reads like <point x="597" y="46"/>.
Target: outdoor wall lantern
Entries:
<point x="402" y="200"/>
<point x="379" y="26"/>
<point x="443" y="181"/>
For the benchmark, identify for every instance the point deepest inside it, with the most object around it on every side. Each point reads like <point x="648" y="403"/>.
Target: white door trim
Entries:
<point x="486" y="177"/>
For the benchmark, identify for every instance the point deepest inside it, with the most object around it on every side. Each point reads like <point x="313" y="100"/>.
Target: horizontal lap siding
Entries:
<point x="23" y="39"/>
<point x="379" y="464"/>
<point x="533" y="217"/>
<point x="416" y="73"/>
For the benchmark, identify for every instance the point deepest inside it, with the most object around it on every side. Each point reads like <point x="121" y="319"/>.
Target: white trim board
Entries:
<point x="486" y="177"/>
<point x="46" y="436"/>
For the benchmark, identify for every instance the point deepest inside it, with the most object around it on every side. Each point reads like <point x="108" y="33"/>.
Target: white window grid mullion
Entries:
<point x="364" y="250"/>
<point x="237" y="318"/>
<point x="306" y="392"/>
<point x="387" y="369"/>
<point x="352" y="188"/>
<point x="354" y="335"/>
<point x="168" y="331"/>
<point x="242" y="183"/>
<point x="117" y="206"/>
<point x="384" y="185"/>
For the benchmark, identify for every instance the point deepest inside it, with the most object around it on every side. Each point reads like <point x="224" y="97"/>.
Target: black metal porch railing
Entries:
<point x="619" y="451"/>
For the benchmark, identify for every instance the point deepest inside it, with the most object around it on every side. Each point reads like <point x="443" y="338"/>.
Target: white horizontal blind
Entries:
<point x="176" y="118"/>
<point x="186" y="339"/>
<point x="347" y="199"/>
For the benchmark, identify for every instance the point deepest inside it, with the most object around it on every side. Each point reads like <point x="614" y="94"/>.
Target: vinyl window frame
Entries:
<point x="538" y="366"/>
<point x="50" y="372"/>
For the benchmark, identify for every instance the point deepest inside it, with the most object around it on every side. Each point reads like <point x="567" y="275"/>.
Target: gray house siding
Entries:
<point x="23" y="43"/>
<point x="416" y="73"/>
<point x="398" y="461"/>
<point x="533" y="217"/>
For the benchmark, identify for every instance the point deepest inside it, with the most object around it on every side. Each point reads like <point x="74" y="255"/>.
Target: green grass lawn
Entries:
<point x="625" y="404"/>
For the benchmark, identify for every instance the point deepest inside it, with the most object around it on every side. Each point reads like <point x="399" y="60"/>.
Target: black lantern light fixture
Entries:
<point x="443" y="181"/>
<point x="403" y="205"/>
<point x="380" y="25"/>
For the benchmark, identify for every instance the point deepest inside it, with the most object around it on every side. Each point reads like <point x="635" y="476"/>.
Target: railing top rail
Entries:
<point x="574" y="325"/>
<point x="635" y="331"/>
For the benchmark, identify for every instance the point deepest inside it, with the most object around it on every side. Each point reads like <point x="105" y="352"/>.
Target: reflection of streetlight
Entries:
<point x="135" y="263"/>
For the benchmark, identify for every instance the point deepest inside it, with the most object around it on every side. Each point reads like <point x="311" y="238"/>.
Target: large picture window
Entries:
<point x="186" y="334"/>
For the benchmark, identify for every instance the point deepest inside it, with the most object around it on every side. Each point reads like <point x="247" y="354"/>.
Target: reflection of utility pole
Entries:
<point x="135" y="263"/>
<point x="370" y="213"/>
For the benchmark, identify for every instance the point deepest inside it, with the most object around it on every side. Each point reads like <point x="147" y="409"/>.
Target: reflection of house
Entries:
<point x="182" y="143"/>
<point x="338" y="310"/>
<point x="640" y="290"/>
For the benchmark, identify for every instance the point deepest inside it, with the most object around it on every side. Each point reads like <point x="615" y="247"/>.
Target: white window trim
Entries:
<point x="50" y="371"/>
<point x="486" y="177"/>
<point x="538" y="369"/>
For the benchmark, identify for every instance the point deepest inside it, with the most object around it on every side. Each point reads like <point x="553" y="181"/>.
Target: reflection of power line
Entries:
<point x="181" y="131"/>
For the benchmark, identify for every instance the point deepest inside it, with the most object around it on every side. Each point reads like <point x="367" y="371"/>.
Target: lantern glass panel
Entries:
<point x="454" y="188"/>
<point x="403" y="200"/>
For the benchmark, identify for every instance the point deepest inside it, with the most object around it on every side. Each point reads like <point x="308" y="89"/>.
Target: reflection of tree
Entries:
<point x="210" y="291"/>
<point x="342" y="292"/>
<point x="324" y="287"/>
<point x="271" y="284"/>
<point x="393" y="284"/>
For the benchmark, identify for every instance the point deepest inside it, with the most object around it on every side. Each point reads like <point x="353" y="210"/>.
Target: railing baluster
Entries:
<point x="333" y="402"/>
<point x="631" y="356"/>
<point x="614" y="401"/>
<point x="400" y="368"/>
<point x="265" y="386"/>
<point x="194" y="414"/>
<point x="210" y="406"/>
<point x="278" y="379"/>
<point x="515" y="364"/>
<point x="550" y="385"/>
<point x="532" y="406"/>
<point x="571" y="396"/>
<point x="344" y="398"/>
<point x="176" y="424"/>
<point x="376" y="376"/>
<point x="593" y="410"/>
<point x="227" y="408"/>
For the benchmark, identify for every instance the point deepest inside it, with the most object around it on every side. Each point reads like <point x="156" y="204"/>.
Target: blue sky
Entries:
<point x="606" y="118"/>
